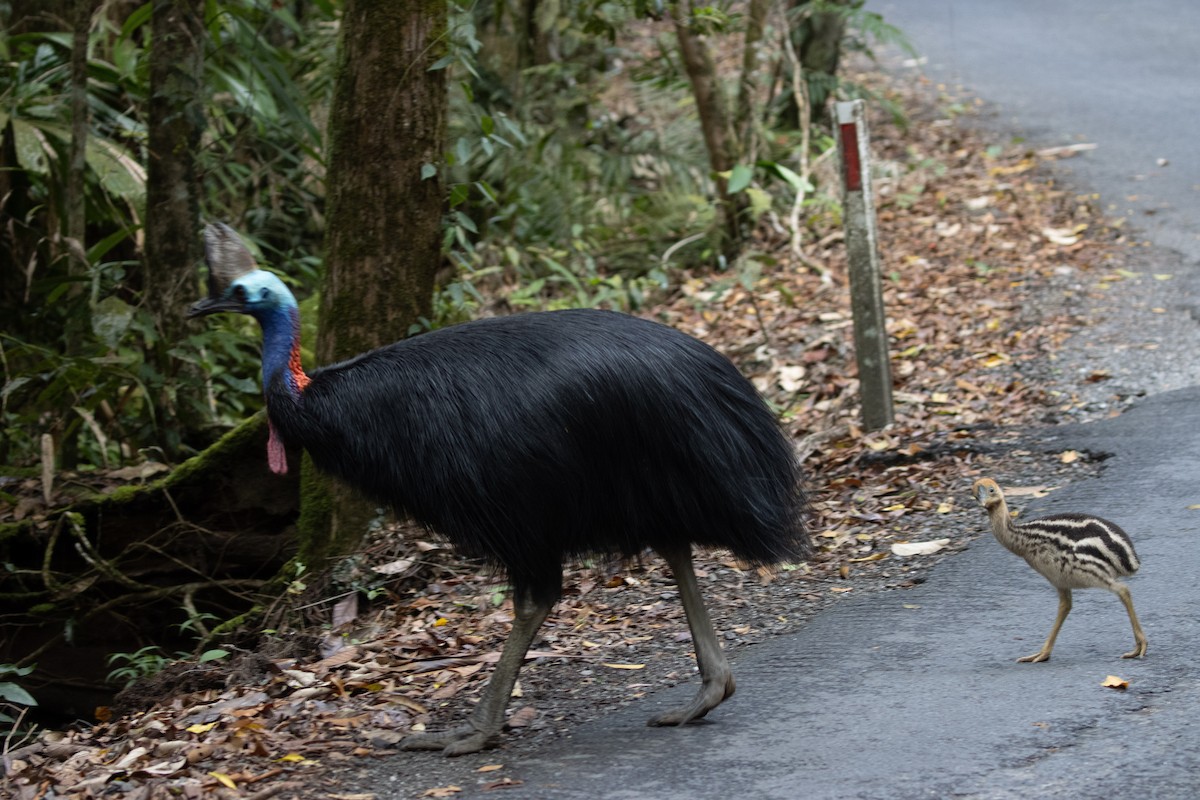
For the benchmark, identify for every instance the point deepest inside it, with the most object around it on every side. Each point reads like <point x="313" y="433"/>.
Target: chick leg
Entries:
<point x="1064" y="608"/>
<point x="1139" y="637"/>
<point x="485" y="723"/>
<point x="715" y="674"/>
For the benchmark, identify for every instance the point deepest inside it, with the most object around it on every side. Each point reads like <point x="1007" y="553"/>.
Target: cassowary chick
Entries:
<point x="1072" y="551"/>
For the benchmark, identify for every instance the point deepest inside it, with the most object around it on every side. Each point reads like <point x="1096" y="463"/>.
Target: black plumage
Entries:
<point x="531" y="439"/>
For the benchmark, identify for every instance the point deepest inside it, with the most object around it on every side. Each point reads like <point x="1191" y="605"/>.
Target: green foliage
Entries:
<point x="555" y="200"/>
<point x="142" y="663"/>
<point x="75" y="356"/>
<point x="12" y="693"/>
<point x="216" y="654"/>
<point x="576" y="171"/>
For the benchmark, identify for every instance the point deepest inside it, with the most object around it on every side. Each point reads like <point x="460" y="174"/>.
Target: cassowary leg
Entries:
<point x="714" y="668"/>
<point x="1064" y="608"/>
<point x="1139" y="636"/>
<point x="487" y="720"/>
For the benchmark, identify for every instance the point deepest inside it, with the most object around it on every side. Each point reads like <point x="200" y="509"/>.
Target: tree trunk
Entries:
<point x="817" y="37"/>
<point x="748" y="89"/>
<point x="175" y="122"/>
<point x="386" y="136"/>
<point x="715" y="121"/>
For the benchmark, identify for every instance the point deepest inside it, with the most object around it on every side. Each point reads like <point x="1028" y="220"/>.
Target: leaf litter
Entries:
<point x="970" y="233"/>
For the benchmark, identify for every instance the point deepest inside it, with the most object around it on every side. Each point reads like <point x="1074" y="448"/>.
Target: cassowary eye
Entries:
<point x="239" y="292"/>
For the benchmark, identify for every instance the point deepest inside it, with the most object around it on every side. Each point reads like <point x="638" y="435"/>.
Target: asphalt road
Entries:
<point x="1124" y="76"/>
<point x="916" y="694"/>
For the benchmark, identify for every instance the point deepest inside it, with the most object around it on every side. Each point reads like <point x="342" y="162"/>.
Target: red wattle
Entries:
<point x="276" y="454"/>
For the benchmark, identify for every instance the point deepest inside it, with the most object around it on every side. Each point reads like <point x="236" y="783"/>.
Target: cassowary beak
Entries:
<point x="213" y="305"/>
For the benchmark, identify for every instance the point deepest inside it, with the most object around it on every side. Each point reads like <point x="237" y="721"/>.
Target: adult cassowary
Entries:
<point x="530" y="439"/>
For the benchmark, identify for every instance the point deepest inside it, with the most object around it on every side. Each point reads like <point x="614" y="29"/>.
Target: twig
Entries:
<point x="801" y="98"/>
<point x="762" y="324"/>
<point x="271" y="791"/>
<point x="52" y="585"/>
<point x="12" y="731"/>
<point x="88" y="553"/>
<point x="670" y="251"/>
<point x="101" y="439"/>
<point x="47" y="468"/>
<point x="197" y="621"/>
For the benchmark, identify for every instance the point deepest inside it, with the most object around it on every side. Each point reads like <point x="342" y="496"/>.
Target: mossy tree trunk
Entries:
<point x="175" y="122"/>
<point x="386" y="137"/>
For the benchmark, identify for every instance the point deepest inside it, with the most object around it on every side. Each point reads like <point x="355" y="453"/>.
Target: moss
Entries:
<point x="242" y="621"/>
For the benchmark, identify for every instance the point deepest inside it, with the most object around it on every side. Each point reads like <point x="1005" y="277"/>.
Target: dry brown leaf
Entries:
<point x="522" y="717"/>
<point x="1113" y="682"/>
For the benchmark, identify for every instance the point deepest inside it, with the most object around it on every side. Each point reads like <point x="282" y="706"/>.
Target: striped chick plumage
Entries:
<point x="1071" y="551"/>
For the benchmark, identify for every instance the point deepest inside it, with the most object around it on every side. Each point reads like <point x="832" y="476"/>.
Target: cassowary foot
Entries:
<point x="457" y="742"/>
<point x="1136" y="652"/>
<point x="711" y="695"/>
<point x="1036" y="658"/>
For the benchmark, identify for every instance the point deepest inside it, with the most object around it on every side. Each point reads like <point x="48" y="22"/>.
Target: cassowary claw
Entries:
<point x="711" y="695"/>
<point x="457" y="742"/>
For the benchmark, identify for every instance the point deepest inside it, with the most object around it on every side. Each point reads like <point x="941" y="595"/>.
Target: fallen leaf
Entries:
<point x="522" y="717"/>
<point x="442" y="791"/>
<point x="163" y="769"/>
<point x="919" y="548"/>
<point x="1066" y="150"/>
<point x="394" y="567"/>
<point x="502" y="783"/>
<point x="1113" y="682"/>
<point x="126" y="761"/>
<point x="791" y="378"/>
<point x="873" y="557"/>
<point x="224" y="779"/>
<point x="1028" y="491"/>
<point x="1060" y="236"/>
<point x="945" y="508"/>
<point x="1069" y="456"/>
<point x="626" y="666"/>
<point x="201" y="728"/>
<point x="490" y="767"/>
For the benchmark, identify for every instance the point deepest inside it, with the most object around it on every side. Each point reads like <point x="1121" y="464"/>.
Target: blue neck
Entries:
<point x="281" y="332"/>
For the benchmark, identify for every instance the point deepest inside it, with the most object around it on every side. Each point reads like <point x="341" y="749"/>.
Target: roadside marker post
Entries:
<point x="866" y="291"/>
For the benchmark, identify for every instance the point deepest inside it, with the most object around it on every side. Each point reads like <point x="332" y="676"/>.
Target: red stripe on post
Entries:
<point x="850" y="161"/>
